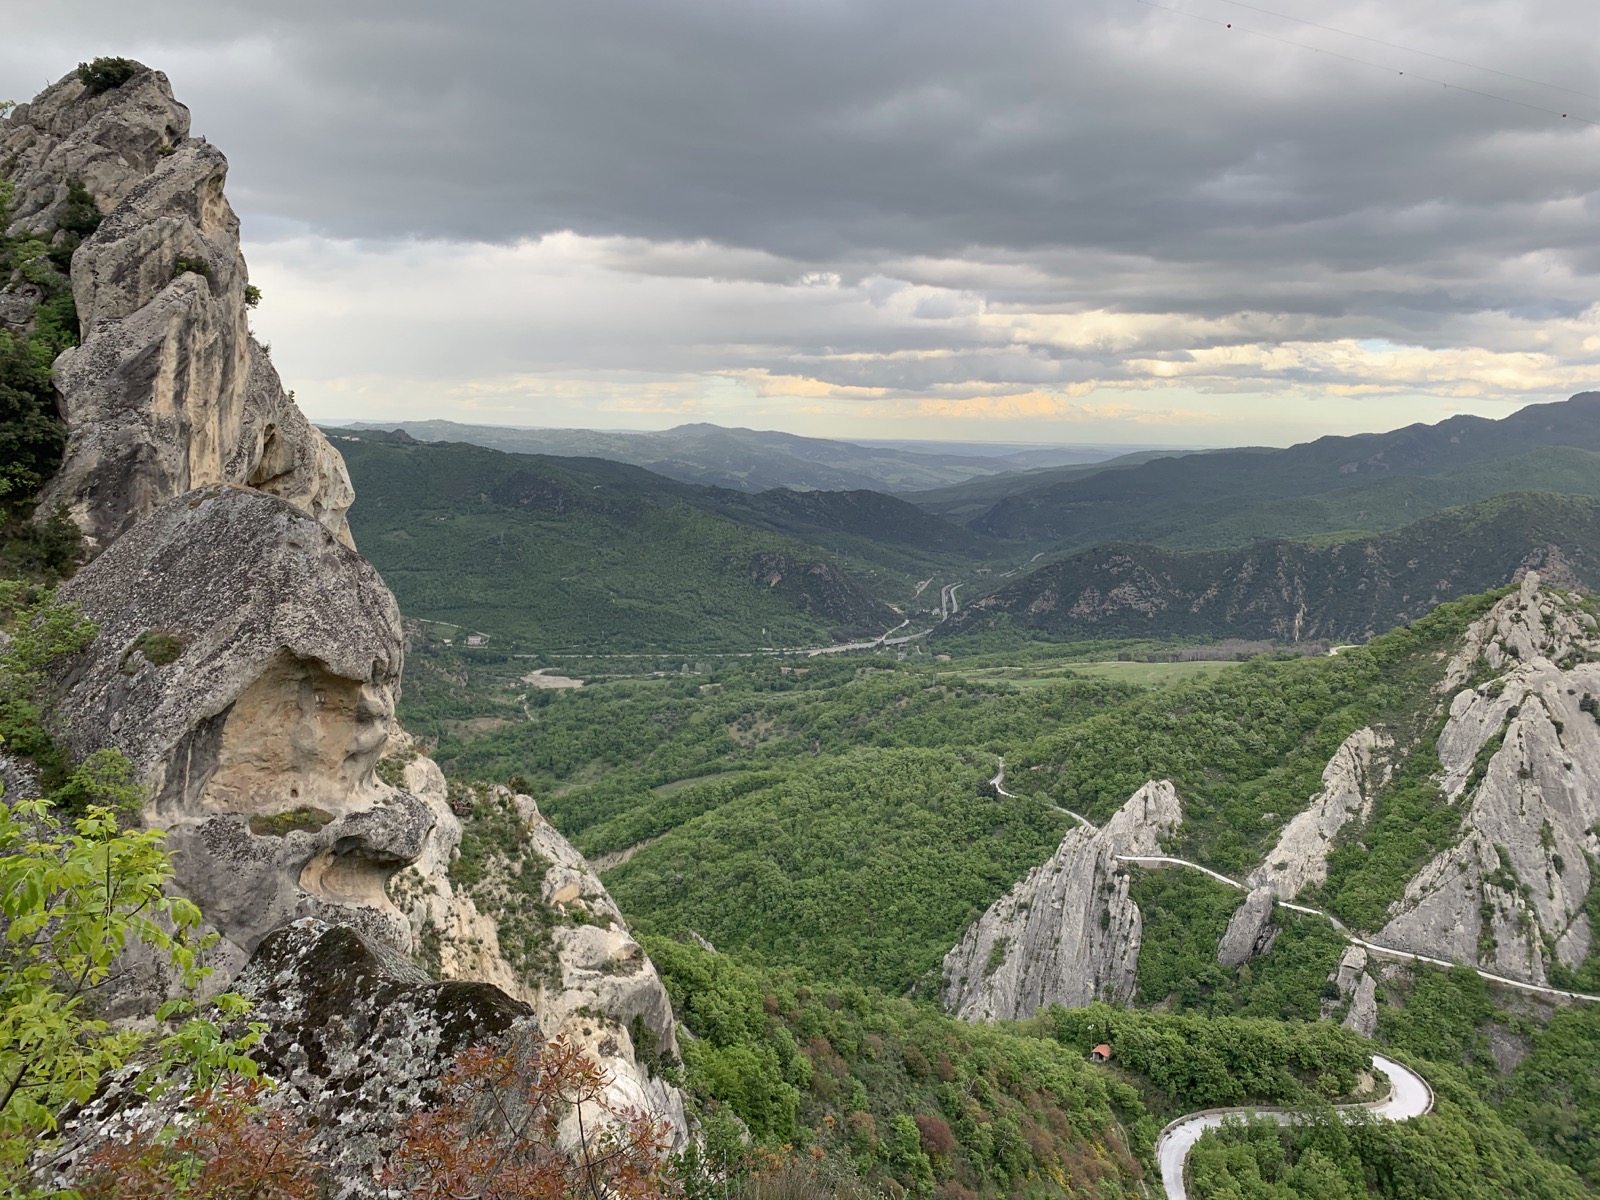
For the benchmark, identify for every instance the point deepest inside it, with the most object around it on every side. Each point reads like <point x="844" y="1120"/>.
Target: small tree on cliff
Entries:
<point x="74" y="893"/>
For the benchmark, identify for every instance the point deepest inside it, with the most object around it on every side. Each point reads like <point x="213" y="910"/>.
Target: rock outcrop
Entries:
<point x="1069" y="933"/>
<point x="248" y="659"/>
<point x="359" y="1036"/>
<point x="1350" y="783"/>
<point x="1521" y="752"/>
<point x="168" y="390"/>
<point x="538" y="923"/>
<point x="1250" y="930"/>
<point x="1357" y="990"/>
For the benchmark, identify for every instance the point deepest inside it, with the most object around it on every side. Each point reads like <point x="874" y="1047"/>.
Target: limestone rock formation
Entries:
<point x="1250" y="930"/>
<point x="106" y="142"/>
<point x="248" y="659"/>
<point x="1358" y="990"/>
<point x="1069" y="933"/>
<point x="168" y="390"/>
<point x="247" y="664"/>
<point x="1521" y="751"/>
<point x="564" y="948"/>
<point x="1350" y="783"/>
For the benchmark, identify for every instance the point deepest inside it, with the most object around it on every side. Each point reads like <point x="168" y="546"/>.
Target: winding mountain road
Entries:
<point x="1409" y="1096"/>
<point x="1374" y="948"/>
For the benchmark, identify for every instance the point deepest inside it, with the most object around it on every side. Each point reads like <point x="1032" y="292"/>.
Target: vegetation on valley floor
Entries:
<point x="909" y="1100"/>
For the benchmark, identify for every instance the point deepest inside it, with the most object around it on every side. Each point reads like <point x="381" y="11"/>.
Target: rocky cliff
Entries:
<point x="167" y="390"/>
<point x="1069" y="933"/>
<point x="1350" y="783"/>
<point x="248" y="658"/>
<point x="1521" y="752"/>
<point x="1299" y="590"/>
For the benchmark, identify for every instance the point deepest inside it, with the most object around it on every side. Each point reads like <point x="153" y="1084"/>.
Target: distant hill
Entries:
<point x="1170" y="498"/>
<point x="1390" y="503"/>
<point x="974" y="497"/>
<point x="749" y="460"/>
<point x="1299" y="590"/>
<point x="585" y="553"/>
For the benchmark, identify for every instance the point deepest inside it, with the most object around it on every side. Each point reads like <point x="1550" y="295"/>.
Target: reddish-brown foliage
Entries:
<point x="935" y="1135"/>
<point x="495" y="1134"/>
<point x="229" y="1148"/>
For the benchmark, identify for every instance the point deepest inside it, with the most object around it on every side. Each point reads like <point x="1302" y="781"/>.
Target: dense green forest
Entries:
<point x="828" y="824"/>
<point x="892" y="1092"/>
<point x="557" y="555"/>
<point x="845" y="802"/>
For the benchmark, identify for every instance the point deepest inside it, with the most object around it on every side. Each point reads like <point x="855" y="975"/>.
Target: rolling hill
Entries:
<point x="1168" y="499"/>
<point x="576" y="553"/>
<point x="751" y="460"/>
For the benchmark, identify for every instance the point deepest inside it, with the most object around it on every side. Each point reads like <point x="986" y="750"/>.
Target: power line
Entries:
<point x="1413" y="50"/>
<point x="1367" y="62"/>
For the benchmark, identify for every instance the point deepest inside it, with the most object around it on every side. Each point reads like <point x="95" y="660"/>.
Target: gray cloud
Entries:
<point x="915" y="194"/>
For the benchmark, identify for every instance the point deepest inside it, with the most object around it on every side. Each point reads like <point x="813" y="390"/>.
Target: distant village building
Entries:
<point x="1101" y="1053"/>
<point x="477" y="639"/>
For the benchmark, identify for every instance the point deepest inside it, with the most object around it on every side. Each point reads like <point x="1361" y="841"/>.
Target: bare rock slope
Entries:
<point x="1069" y="933"/>
<point x="1521" y="752"/>
<point x="1350" y="784"/>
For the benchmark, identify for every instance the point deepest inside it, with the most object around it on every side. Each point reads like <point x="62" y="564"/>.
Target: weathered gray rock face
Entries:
<point x="257" y="724"/>
<point x="17" y="780"/>
<point x="1350" y="783"/>
<point x="248" y="659"/>
<point x="591" y="983"/>
<point x="1358" y="990"/>
<point x="359" y="1038"/>
<point x="1069" y="933"/>
<point x="247" y="664"/>
<point x="1250" y="930"/>
<point x="168" y="391"/>
<point x="107" y="142"/>
<point x="1512" y="889"/>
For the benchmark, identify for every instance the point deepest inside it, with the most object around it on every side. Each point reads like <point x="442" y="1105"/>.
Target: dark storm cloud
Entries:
<point x="964" y="177"/>
<point x="826" y="130"/>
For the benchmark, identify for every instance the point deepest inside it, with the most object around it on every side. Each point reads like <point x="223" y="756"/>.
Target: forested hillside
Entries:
<point x="1338" y="589"/>
<point x="831" y="827"/>
<point x="1338" y="539"/>
<point x="1168" y="497"/>
<point x="563" y="554"/>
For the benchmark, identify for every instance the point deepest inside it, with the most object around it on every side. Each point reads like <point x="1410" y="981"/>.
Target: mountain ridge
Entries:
<point x="1299" y="590"/>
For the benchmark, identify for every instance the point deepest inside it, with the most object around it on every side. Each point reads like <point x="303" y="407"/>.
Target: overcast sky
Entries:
<point x="1196" y="222"/>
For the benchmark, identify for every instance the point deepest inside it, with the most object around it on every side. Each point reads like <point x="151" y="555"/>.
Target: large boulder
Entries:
<point x="247" y="664"/>
<point x="357" y="1038"/>
<point x="1250" y="930"/>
